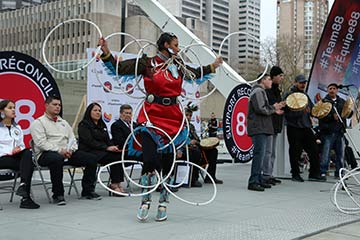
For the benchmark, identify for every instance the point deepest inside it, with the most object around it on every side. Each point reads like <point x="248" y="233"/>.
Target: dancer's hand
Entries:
<point x="218" y="62"/>
<point x="104" y="47"/>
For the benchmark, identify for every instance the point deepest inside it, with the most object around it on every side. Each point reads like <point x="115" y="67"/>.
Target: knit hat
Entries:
<point x="275" y="70"/>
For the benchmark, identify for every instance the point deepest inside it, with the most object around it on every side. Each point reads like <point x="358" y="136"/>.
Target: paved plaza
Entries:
<point x="290" y="210"/>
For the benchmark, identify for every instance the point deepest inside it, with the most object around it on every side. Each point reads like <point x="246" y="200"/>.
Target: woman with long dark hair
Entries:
<point x="163" y="76"/>
<point x="13" y="154"/>
<point x="94" y="138"/>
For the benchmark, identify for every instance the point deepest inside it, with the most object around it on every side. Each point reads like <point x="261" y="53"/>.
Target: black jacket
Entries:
<point x="328" y="124"/>
<point x="274" y="96"/>
<point x="298" y="119"/>
<point x="119" y="131"/>
<point x="93" y="138"/>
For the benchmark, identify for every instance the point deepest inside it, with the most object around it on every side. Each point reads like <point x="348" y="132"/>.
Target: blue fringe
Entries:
<point x="199" y="81"/>
<point x="110" y="70"/>
<point x="157" y="139"/>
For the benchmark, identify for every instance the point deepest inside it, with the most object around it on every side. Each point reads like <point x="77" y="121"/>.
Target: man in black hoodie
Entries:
<point x="332" y="130"/>
<point x="274" y="96"/>
<point x="301" y="136"/>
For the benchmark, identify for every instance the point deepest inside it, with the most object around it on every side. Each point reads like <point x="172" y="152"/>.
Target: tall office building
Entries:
<point x="302" y="22"/>
<point x="6" y="5"/>
<point x="214" y="13"/>
<point x="245" y="50"/>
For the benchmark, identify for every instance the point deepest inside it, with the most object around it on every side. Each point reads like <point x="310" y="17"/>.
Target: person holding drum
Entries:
<point x="160" y="115"/>
<point x="299" y="130"/>
<point x="332" y="130"/>
<point x="260" y="129"/>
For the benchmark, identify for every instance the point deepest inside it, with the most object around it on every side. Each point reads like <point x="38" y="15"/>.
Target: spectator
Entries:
<point x="55" y="146"/>
<point x="260" y="129"/>
<point x="213" y="125"/>
<point x="13" y="154"/>
<point x="274" y="96"/>
<point x="94" y="138"/>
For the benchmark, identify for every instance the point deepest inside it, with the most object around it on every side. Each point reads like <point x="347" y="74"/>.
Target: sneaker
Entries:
<point x="270" y="181"/>
<point x="28" y="203"/>
<point x="297" y="178"/>
<point x="317" y="178"/>
<point x="143" y="211"/>
<point x="275" y="180"/>
<point x="161" y="214"/>
<point x="265" y="185"/>
<point x="196" y="184"/>
<point x="59" y="200"/>
<point x="255" y="187"/>
<point x="21" y="191"/>
<point x="91" y="196"/>
<point x="217" y="181"/>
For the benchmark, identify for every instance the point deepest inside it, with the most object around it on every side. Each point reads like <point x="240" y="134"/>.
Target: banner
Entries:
<point x="27" y="82"/>
<point x="337" y="59"/>
<point x="237" y="142"/>
<point x="99" y="75"/>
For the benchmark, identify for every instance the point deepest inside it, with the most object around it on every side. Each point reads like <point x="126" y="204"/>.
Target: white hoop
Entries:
<point x="344" y="175"/>
<point x="254" y="38"/>
<point x="126" y="194"/>
<point x="201" y="69"/>
<point x="189" y="202"/>
<point x="162" y="179"/>
<point x="57" y="26"/>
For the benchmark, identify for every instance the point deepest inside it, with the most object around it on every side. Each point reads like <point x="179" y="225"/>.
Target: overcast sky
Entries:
<point x="268" y="18"/>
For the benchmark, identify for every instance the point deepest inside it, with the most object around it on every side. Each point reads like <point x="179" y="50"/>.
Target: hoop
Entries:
<point x="126" y="194"/>
<point x="254" y="38"/>
<point x="162" y="179"/>
<point x="189" y="202"/>
<point x="201" y="69"/>
<point x="56" y="27"/>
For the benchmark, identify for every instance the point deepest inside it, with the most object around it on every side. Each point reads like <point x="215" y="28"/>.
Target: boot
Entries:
<point x="143" y="211"/>
<point x="163" y="201"/>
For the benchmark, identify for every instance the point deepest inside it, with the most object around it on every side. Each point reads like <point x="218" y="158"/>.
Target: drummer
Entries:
<point x="332" y="131"/>
<point x="300" y="135"/>
<point x="208" y="155"/>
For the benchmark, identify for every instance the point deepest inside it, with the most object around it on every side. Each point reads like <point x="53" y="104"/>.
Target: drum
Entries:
<point x="321" y="109"/>
<point x="297" y="101"/>
<point x="348" y="108"/>
<point x="209" y="143"/>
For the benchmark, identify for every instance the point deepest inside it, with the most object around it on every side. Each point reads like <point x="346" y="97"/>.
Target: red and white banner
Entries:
<point x="27" y="82"/>
<point x="237" y="142"/>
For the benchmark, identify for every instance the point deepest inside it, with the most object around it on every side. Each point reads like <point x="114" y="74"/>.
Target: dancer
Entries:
<point x="163" y="77"/>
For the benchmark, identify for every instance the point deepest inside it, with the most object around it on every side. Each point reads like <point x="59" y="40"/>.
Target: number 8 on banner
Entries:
<point x="237" y="141"/>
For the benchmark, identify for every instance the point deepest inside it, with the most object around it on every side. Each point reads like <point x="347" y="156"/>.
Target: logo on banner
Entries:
<point x="107" y="117"/>
<point x="237" y="141"/>
<point x="27" y="82"/>
<point x="107" y="86"/>
<point x="129" y="86"/>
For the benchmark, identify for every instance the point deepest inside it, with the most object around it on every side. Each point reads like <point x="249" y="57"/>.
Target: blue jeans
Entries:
<point x="332" y="141"/>
<point x="259" y="141"/>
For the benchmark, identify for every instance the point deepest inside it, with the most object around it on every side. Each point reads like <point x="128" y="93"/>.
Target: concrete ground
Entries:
<point x="290" y="210"/>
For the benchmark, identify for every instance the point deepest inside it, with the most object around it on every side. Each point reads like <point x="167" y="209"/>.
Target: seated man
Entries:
<point x="121" y="128"/>
<point x="55" y="145"/>
<point x="210" y="155"/>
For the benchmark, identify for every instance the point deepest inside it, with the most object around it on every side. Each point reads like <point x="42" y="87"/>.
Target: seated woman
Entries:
<point x="94" y="138"/>
<point x="13" y="154"/>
